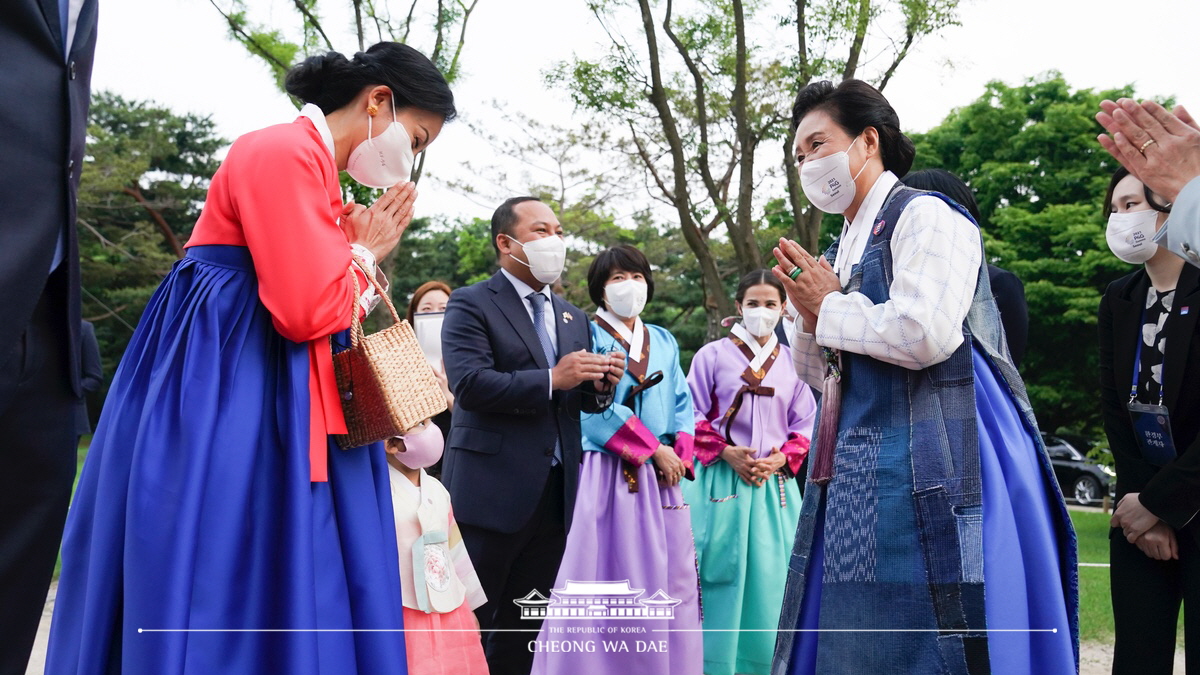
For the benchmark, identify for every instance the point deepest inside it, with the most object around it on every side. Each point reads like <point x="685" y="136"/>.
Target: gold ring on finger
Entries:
<point x="1145" y="145"/>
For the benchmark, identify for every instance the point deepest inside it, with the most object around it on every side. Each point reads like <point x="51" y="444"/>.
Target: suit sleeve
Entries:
<point x="1183" y="226"/>
<point x="279" y="193"/>
<point x="471" y="365"/>
<point x="593" y="400"/>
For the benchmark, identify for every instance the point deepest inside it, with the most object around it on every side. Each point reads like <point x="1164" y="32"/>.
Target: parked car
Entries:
<point x="1079" y="478"/>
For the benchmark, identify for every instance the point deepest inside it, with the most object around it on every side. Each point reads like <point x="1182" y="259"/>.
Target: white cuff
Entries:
<point x="369" y="298"/>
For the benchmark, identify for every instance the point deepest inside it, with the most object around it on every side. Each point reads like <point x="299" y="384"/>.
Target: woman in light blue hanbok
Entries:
<point x="631" y="535"/>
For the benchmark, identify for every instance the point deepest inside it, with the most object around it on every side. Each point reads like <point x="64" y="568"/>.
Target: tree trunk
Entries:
<point x="168" y="234"/>
<point x="716" y="302"/>
<point x="741" y="235"/>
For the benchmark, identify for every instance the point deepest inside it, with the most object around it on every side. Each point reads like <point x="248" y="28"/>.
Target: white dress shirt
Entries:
<point x="936" y="257"/>
<point x="73" y="9"/>
<point x="523" y="290"/>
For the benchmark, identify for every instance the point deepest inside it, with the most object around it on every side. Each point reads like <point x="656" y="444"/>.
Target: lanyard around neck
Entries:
<point x="1137" y="366"/>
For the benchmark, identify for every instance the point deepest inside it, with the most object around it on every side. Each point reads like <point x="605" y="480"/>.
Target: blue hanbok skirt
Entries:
<point x="196" y="543"/>
<point x="1024" y="599"/>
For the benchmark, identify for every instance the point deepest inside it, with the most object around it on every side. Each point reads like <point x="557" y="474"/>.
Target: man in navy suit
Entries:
<point x="518" y="359"/>
<point x="46" y="49"/>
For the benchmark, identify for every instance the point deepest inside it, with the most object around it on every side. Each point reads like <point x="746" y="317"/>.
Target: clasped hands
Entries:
<point x="575" y="368"/>
<point x="378" y="227"/>
<point x="807" y="290"/>
<point x="1144" y="529"/>
<point x="753" y="472"/>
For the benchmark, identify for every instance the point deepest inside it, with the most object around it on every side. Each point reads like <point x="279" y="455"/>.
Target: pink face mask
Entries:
<point x="423" y="447"/>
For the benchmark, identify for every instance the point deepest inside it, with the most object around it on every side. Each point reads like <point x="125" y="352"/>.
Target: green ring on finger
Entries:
<point x="795" y="273"/>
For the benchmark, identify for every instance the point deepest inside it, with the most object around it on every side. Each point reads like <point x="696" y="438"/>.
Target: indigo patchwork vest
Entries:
<point x="904" y="510"/>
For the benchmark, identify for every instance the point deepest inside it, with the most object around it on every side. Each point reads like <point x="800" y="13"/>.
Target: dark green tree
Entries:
<point x="1030" y="154"/>
<point x="144" y="181"/>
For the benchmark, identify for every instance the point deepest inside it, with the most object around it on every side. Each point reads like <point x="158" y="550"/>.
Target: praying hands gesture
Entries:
<point x="806" y="280"/>
<point x="379" y="227"/>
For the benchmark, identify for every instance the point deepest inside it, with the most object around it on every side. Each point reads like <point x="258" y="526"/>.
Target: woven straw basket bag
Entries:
<point x="386" y="385"/>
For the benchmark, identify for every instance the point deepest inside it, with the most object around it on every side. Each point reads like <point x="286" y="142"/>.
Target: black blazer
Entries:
<point x="1172" y="492"/>
<point x="502" y="436"/>
<point x="43" y="127"/>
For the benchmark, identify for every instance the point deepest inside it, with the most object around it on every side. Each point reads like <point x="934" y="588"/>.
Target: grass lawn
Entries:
<point x="1095" y="605"/>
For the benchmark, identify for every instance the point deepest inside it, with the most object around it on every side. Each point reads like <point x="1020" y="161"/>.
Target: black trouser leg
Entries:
<point x="509" y="567"/>
<point x="1145" y="595"/>
<point x="37" y="469"/>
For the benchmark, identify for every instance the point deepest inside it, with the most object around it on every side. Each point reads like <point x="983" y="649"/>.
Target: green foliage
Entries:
<point x="1030" y="154"/>
<point x="280" y="44"/>
<point x="692" y="90"/>
<point x="146" y="168"/>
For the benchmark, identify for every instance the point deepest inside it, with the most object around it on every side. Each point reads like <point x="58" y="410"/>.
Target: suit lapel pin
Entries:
<point x="567" y="317"/>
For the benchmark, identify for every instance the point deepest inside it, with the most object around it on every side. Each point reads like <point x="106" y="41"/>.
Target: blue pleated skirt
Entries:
<point x="195" y="542"/>
<point x="1024" y="599"/>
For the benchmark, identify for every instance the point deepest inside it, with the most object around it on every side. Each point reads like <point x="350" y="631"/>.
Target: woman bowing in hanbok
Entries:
<point x="216" y="528"/>
<point x="630" y="566"/>
<point x="754" y="418"/>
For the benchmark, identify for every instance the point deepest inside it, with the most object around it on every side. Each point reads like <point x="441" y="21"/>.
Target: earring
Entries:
<point x="372" y="109"/>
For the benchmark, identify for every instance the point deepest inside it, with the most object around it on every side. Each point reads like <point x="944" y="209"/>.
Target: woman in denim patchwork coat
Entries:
<point x="933" y="537"/>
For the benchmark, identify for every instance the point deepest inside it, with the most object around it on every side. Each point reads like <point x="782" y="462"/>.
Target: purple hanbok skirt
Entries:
<point x="617" y="536"/>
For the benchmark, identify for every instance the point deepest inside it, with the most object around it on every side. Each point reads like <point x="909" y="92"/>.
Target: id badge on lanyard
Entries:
<point x="1151" y="423"/>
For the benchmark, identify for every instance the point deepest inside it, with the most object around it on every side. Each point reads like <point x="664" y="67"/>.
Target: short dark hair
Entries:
<point x="1118" y="176"/>
<point x="505" y="217"/>
<point x="855" y="105"/>
<point x="623" y="257"/>
<point x="758" y="278"/>
<point x="941" y="180"/>
<point x="330" y="80"/>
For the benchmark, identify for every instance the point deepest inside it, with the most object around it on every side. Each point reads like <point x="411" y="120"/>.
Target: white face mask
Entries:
<point x="760" y="321"/>
<point x="384" y="160"/>
<point x="827" y="181"/>
<point x="547" y="257"/>
<point x="1131" y="235"/>
<point x="626" y="298"/>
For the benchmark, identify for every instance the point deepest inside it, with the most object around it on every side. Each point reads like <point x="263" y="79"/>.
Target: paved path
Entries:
<point x="37" y="660"/>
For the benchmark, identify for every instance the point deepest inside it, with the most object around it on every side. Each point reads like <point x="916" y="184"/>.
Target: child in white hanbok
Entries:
<point x="438" y="583"/>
